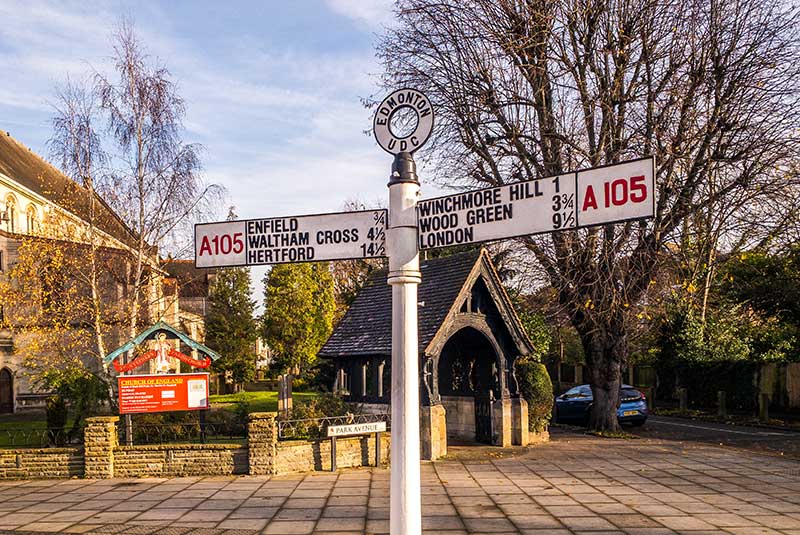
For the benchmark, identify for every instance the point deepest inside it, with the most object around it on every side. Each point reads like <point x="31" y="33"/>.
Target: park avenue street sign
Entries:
<point x="310" y="238"/>
<point x="609" y="194"/>
<point x="356" y="429"/>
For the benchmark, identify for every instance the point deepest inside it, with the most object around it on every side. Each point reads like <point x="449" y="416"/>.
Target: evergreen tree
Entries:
<point x="231" y="329"/>
<point x="298" y="314"/>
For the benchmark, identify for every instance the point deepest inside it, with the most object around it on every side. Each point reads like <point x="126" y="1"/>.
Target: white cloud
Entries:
<point x="372" y="13"/>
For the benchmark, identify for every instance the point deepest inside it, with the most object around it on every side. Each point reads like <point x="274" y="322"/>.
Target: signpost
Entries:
<point x="568" y="201"/>
<point x="280" y="240"/>
<point x="405" y="508"/>
<point x="162" y="393"/>
<point x="603" y="195"/>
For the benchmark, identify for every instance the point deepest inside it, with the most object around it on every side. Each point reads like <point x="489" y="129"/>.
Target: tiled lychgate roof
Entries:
<point x="366" y="328"/>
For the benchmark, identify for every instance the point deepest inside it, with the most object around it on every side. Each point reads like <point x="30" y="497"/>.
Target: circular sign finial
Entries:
<point x="408" y="104"/>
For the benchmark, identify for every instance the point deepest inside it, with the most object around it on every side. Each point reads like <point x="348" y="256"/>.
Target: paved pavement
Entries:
<point x="782" y="442"/>
<point x="575" y="484"/>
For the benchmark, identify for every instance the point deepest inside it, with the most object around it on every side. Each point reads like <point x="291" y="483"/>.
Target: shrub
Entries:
<point x="320" y="407"/>
<point x="704" y="379"/>
<point x="537" y="389"/>
<point x="75" y="392"/>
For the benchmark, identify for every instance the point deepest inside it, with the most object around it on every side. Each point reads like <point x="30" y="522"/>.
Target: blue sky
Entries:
<point x="272" y="88"/>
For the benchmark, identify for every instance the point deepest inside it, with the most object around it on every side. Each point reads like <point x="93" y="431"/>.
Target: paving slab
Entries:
<point x="576" y="484"/>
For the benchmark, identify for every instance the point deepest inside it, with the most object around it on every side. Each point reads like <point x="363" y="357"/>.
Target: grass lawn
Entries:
<point x="25" y="430"/>
<point x="28" y="429"/>
<point x="258" y="401"/>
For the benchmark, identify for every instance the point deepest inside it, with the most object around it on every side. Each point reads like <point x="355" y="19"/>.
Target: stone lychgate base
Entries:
<point x="520" y="435"/>
<point x="509" y="424"/>
<point x="433" y="432"/>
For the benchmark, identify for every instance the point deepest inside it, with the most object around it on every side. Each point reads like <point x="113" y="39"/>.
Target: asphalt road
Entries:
<point x="751" y="438"/>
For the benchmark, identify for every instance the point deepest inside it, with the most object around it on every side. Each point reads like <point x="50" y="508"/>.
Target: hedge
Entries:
<point x="703" y="379"/>
<point x="537" y="389"/>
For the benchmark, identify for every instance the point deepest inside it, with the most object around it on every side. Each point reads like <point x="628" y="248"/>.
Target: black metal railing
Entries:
<point x="315" y="428"/>
<point x="40" y="437"/>
<point x="184" y="432"/>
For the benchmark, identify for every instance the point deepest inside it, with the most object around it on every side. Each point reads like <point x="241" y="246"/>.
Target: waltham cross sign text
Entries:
<point x="280" y="240"/>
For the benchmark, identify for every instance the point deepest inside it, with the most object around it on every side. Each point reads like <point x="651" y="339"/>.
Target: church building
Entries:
<point x="41" y="205"/>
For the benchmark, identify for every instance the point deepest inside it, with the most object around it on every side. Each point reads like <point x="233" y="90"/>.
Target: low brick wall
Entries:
<point x="171" y="460"/>
<point x="311" y="455"/>
<point x="41" y="463"/>
<point x="102" y="457"/>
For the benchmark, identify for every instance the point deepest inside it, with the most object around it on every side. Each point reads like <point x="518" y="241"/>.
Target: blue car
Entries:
<point x="574" y="406"/>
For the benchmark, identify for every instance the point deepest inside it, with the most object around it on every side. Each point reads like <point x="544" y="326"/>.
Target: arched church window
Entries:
<point x="32" y="219"/>
<point x="10" y="214"/>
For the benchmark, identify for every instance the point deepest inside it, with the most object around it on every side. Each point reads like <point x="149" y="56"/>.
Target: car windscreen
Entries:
<point x="629" y="393"/>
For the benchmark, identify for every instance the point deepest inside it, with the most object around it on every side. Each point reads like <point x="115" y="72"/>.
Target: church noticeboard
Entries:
<point x="163" y="393"/>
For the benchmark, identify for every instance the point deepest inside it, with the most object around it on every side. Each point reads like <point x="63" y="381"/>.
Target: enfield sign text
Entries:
<point x="311" y="238"/>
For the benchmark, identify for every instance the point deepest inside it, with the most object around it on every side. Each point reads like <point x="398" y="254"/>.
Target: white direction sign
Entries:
<point x="310" y="238"/>
<point x="596" y="196"/>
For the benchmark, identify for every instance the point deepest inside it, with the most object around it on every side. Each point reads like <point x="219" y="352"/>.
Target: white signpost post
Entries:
<point x="602" y="195"/>
<point x="405" y="509"/>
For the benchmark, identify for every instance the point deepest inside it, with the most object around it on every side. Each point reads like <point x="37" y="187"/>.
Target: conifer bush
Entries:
<point x="537" y="389"/>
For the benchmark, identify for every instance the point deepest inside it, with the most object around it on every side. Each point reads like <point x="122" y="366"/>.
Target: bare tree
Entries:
<point x="157" y="188"/>
<point x="533" y="88"/>
<point x="77" y="147"/>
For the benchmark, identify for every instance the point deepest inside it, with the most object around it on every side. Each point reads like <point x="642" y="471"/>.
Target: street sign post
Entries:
<point x="608" y="194"/>
<point x="598" y="196"/>
<point x="279" y="240"/>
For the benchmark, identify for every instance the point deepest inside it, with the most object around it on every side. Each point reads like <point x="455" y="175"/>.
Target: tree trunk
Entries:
<point x="606" y="350"/>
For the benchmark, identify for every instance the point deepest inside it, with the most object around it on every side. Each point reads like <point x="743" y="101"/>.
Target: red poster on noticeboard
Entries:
<point x="162" y="393"/>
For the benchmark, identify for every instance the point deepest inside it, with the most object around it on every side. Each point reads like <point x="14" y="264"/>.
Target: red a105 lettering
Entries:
<point x="224" y="244"/>
<point x="618" y="192"/>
